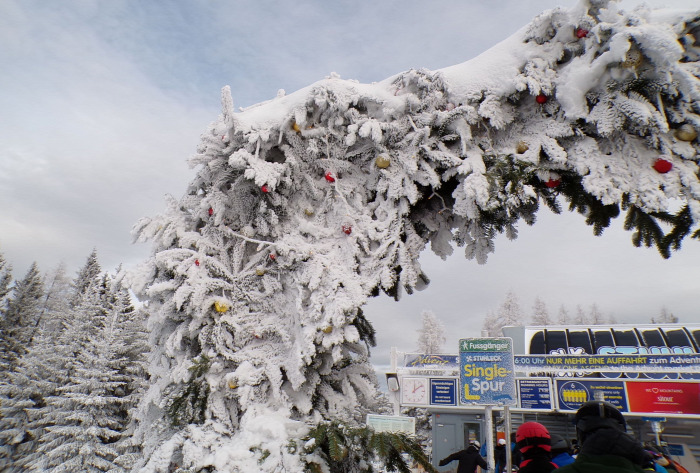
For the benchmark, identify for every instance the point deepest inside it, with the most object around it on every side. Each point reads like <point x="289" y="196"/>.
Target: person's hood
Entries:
<point x="614" y="442"/>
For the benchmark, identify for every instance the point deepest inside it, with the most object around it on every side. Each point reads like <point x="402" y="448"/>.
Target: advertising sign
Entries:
<point x="443" y="392"/>
<point x="486" y="372"/>
<point x="664" y="397"/>
<point x="571" y="394"/>
<point x="535" y="393"/>
<point x="608" y="363"/>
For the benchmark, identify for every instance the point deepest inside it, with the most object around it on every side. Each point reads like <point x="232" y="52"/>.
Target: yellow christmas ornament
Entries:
<point x="686" y="132"/>
<point x="328" y="329"/>
<point x="521" y="147"/>
<point x="232" y="385"/>
<point x="220" y="307"/>
<point x="633" y="59"/>
<point x="296" y="127"/>
<point x="308" y="212"/>
<point x="260" y="271"/>
<point x="382" y="161"/>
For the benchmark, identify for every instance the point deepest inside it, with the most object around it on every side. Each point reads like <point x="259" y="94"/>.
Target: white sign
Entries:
<point x="382" y="423"/>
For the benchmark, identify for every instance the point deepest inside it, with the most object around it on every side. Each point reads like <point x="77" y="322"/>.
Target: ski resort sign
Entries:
<point x="487" y="374"/>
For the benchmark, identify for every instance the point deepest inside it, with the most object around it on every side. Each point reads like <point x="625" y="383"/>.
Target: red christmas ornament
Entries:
<point x="541" y="99"/>
<point x="662" y="166"/>
<point x="581" y="33"/>
<point x="347" y="229"/>
<point x="196" y="262"/>
<point x="211" y="211"/>
<point x="273" y="256"/>
<point x="265" y="189"/>
<point x="329" y="177"/>
<point x="552" y="183"/>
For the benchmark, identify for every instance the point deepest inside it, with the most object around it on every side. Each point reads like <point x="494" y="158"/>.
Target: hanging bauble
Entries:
<point x="273" y="256"/>
<point x="308" y="212"/>
<point x="552" y="183"/>
<point x="347" y="229"/>
<point x="382" y="161"/>
<point x="662" y="166"/>
<point x="521" y="147"/>
<point x="196" y="262"/>
<point x="581" y="33"/>
<point x="633" y="59"/>
<point x="232" y="384"/>
<point x="211" y="211"/>
<point x="296" y="127"/>
<point x="265" y="189"/>
<point x="260" y="271"/>
<point x="686" y="132"/>
<point x="220" y="307"/>
<point x="329" y="176"/>
<point x="541" y="99"/>
<point x="450" y="106"/>
<point x="327" y="329"/>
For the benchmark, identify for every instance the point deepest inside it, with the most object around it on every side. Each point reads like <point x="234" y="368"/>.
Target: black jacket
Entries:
<point x="469" y="459"/>
<point x="537" y="464"/>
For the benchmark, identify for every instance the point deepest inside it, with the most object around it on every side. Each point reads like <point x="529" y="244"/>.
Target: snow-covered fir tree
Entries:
<point x="665" y="317"/>
<point x="563" y="317"/>
<point x="5" y="285"/>
<point x="509" y="313"/>
<point x="595" y="316"/>
<point x="86" y="276"/>
<point x="581" y="317"/>
<point x="490" y="326"/>
<point x="540" y="314"/>
<point x="304" y="206"/>
<point x="21" y="318"/>
<point x="431" y="335"/>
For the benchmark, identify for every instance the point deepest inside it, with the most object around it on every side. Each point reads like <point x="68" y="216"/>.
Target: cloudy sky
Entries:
<point x="102" y="102"/>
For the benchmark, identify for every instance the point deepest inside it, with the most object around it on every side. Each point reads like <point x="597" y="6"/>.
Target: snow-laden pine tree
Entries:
<point x="509" y="313"/>
<point x="86" y="276"/>
<point x="665" y="317"/>
<point x="491" y="327"/>
<point x="5" y="285"/>
<point x="431" y="335"/>
<point x="595" y="316"/>
<point x="563" y="317"/>
<point x="21" y="319"/>
<point x="304" y="206"/>
<point x="540" y="314"/>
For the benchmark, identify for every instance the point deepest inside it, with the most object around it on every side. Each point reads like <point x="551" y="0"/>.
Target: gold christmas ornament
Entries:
<point x="686" y="132"/>
<point x="633" y="59"/>
<point x="382" y="161"/>
<point x="521" y="147"/>
<point x="260" y="271"/>
<point x="220" y="307"/>
<point x="232" y="385"/>
<point x="308" y="212"/>
<point x="296" y="127"/>
<point x="328" y="329"/>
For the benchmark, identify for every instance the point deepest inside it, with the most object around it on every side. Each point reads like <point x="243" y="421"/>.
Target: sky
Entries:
<point x="101" y="104"/>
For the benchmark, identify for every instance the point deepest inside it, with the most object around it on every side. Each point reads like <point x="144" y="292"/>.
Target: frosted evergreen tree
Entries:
<point x="21" y="318"/>
<point x="55" y="305"/>
<point x="540" y="314"/>
<point x="581" y="318"/>
<point x="5" y="285"/>
<point x="595" y="316"/>
<point x="86" y="276"/>
<point x="665" y="317"/>
<point x="509" y="313"/>
<point x="431" y="335"/>
<point x="563" y="317"/>
<point x="305" y="206"/>
<point x="490" y="326"/>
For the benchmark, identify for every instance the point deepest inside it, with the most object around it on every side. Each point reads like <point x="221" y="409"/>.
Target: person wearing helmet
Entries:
<point x="499" y="454"/>
<point x="469" y="459"/>
<point x="605" y="445"/>
<point x="561" y="451"/>
<point x="534" y="442"/>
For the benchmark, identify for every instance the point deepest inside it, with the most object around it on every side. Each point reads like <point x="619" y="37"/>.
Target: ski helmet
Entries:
<point x="559" y="444"/>
<point x="532" y="434"/>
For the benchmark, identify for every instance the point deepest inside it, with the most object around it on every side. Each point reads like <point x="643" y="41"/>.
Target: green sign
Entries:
<point x="485" y="345"/>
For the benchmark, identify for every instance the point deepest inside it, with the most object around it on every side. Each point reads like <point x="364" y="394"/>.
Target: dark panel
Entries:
<point x="580" y="339"/>
<point x="556" y="340"/>
<point x="537" y="344"/>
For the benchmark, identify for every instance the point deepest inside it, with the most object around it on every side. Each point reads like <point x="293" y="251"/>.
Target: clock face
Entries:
<point x="414" y="391"/>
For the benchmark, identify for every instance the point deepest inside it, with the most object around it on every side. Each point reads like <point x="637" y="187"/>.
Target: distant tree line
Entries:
<point x="72" y="366"/>
<point x="510" y="313"/>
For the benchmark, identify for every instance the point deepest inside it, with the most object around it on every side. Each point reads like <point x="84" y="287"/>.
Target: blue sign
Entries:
<point x="487" y="372"/>
<point x="572" y="394"/>
<point x="534" y="394"/>
<point x="443" y="392"/>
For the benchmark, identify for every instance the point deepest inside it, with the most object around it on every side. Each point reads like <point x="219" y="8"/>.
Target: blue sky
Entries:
<point x="101" y="103"/>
